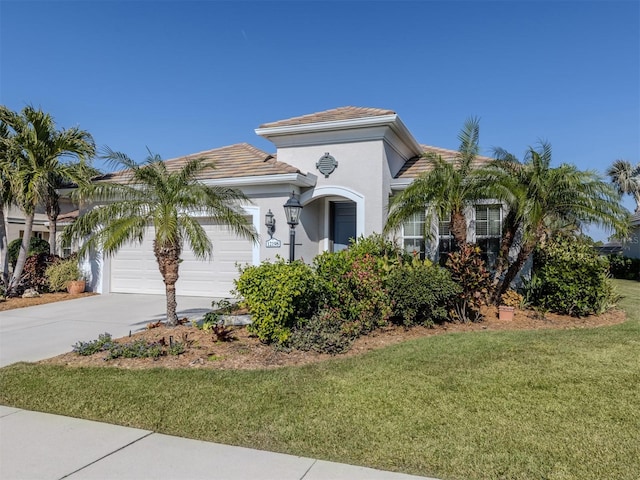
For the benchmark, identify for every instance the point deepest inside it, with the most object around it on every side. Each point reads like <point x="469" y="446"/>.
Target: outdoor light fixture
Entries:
<point x="292" y="210"/>
<point x="270" y="223"/>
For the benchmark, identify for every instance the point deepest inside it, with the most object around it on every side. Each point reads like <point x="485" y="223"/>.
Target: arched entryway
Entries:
<point x="343" y="215"/>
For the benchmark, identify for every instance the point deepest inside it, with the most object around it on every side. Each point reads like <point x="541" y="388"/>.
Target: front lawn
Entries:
<point x="553" y="404"/>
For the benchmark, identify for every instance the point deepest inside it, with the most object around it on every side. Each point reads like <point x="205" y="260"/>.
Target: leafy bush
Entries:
<point x="354" y="285"/>
<point x="34" y="272"/>
<point x="511" y="298"/>
<point x="103" y="342"/>
<point x="277" y="296"/>
<point x="469" y="271"/>
<point x="323" y="333"/>
<point x="570" y="278"/>
<point x="36" y="246"/>
<point x="136" y="349"/>
<point x="61" y="273"/>
<point x="420" y="293"/>
<point x="624" y="267"/>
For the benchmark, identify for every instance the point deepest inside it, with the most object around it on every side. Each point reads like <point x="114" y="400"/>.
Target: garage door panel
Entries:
<point x="135" y="270"/>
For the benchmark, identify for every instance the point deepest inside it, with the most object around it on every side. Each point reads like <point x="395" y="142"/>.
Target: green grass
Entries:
<point x="502" y="405"/>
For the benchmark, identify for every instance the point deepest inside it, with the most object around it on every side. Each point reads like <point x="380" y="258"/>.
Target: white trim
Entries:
<point x="391" y="121"/>
<point x="255" y="219"/>
<point x="298" y="179"/>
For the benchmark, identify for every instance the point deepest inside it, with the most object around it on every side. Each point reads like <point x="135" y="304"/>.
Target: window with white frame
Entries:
<point x="413" y="234"/>
<point x="489" y="231"/>
<point x="445" y="239"/>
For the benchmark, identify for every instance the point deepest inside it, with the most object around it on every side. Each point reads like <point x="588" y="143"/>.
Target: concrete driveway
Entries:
<point x="35" y="333"/>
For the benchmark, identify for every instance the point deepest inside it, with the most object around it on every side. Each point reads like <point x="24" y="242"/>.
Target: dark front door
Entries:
<point x="342" y="224"/>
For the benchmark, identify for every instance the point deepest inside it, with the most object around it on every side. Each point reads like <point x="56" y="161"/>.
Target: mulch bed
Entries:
<point x="44" y="298"/>
<point x="246" y="352"/>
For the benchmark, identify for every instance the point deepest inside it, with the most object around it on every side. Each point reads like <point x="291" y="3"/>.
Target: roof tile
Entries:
<point x="418" y="165"/>
<point x="233" y="161"/>
<point x="333" y="115"/>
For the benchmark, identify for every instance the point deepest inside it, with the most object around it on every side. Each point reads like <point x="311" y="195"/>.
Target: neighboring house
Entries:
<point x="343" y="163"/>
<point x="14" y="223"/>
<point x="631" y="246"/>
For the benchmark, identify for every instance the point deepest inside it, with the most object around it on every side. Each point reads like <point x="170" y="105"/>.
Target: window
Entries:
<point x="445" y="239"/>
<point x="413" y="234"/>
<point x="489" y="231"/>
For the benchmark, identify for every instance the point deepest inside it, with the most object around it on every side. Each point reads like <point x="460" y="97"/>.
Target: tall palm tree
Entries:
<point x="166" y="200"/>
<point x="6" y="199"/>
<point x="446" y="189"/>
<point x="540" y="198"/>
<point x="41" y="156"/>
<point x="626" y="179"/>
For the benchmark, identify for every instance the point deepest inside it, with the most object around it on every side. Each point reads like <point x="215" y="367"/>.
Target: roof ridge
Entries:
<point x="348" y="112"/>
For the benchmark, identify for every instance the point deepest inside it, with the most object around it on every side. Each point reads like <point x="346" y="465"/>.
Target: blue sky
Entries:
<point x="180" y="77"/>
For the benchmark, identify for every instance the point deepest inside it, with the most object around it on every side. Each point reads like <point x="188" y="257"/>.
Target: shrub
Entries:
<point x="277" y="296"/>
<point x="61" y="273"/>
<point x="511" y="298"/>
<point x="570" y="278"/>
<point x="323" y="333"/>
<point x="469" y="271"/>
<point x="354" y="285"/>
<point x="103" y="342"/>
<point x="34" y="272"/>
<point x="624" y="267"/>
<point x="136" y="349"/>
<point x="421" y="293"/>
<point x="36" y="246"/>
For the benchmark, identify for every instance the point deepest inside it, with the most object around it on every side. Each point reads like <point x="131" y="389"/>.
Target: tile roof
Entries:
<point x="333" y="115"/>
<point x="233" y="161"/>
<point x="417" y="165"/>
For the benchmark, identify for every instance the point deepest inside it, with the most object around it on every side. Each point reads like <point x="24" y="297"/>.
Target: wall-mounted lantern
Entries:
<point x="270" y="223"/>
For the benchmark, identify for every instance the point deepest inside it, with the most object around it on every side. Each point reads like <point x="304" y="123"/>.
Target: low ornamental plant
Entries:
<point x="134" y="349"/>
<point x="469" y="271"/>
<point x="511" y="298"/>
<point x="323" y="333"/>
<point x="61" y="273"/>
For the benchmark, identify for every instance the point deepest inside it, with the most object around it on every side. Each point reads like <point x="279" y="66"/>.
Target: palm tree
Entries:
<point x="165" y="200"/>
<point x="446" y="189"/>
<point x="540" y="198"/>
<point x="626" y="178"/>
<point x="6" y="199"/>
<point x="38" y="151"/>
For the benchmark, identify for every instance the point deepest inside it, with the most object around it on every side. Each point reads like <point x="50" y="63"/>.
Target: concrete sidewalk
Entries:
<point x="46" y="447"/>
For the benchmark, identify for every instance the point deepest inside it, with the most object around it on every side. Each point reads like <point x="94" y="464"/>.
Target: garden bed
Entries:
<point x="247" y="352"/>
<point x="44" y="298"/>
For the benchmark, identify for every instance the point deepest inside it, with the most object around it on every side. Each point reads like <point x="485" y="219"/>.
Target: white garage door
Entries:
<point x="134" y="268"/>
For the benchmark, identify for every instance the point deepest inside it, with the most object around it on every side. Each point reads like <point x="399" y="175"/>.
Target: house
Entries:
<point x="15" y="221"/>
<point x="631" y="246"/>
<point x="344" y="164"/>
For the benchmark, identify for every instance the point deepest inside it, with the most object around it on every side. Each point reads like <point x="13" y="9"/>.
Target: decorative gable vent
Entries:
<point x="326" y="165"/>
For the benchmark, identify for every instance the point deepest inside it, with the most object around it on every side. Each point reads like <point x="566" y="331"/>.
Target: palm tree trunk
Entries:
<point x="4" y="250"/>
<point x="53" y="232"/>
<point x="502" y="262"/>
<point x="168" y="258"/>
<point x="24" y="250"/>
<point x="53" y="210"/>
<point x="458" y="227"/>
<point x="172" y="304"/>
<point x="513" y="270"/>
